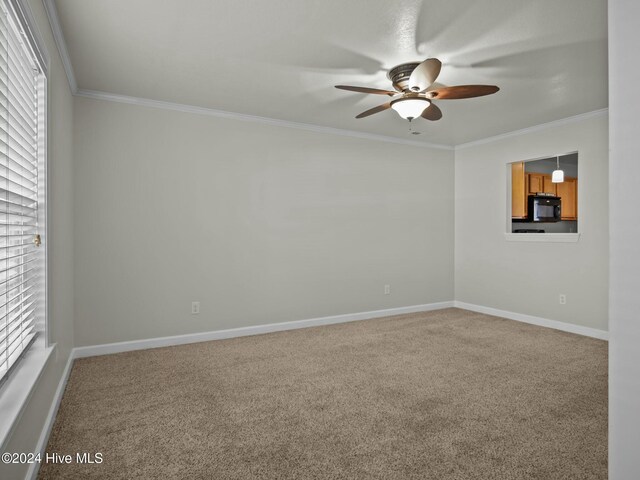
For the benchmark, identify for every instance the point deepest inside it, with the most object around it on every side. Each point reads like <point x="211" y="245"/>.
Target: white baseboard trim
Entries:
<point x="109" y="348"/>
<point x="541" y="322"/>
<point x="32" y="472"/>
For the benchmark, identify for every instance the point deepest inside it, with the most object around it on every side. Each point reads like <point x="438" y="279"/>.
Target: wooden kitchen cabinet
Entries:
<point x="518" y="191"/>
<point x="540" y="182"/>
<point x="535" y="183"/>
<point x="548" y="186"/>
<point x="568" y="193"/>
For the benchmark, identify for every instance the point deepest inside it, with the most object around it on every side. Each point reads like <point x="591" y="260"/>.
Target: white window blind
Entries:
<point x="21" y="154"/>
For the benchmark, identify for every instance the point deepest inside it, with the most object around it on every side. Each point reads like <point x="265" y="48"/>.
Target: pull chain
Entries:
<point x="411" y="130"/>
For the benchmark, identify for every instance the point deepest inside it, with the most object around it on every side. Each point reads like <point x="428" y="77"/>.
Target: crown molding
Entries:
<point x="54" y="21"/>
<point x="535" y="128"/>
<point x="146" y="102"/>
<point x="58" y="36"/>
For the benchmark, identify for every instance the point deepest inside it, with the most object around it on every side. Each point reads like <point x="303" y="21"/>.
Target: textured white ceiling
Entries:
<point x="281" y="58"/>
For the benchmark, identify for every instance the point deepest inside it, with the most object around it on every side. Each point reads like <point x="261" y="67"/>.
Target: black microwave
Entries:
<point x="544" y="209"/>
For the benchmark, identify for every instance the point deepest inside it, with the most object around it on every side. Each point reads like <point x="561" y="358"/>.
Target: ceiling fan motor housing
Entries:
<point x="400" y="74"/>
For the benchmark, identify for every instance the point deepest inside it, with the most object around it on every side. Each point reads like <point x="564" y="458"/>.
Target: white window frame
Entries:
<point x="17" y="387"/>
<point x="536" y="237"/>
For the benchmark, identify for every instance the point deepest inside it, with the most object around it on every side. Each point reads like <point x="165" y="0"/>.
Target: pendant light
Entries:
<point x="558" y="175"/>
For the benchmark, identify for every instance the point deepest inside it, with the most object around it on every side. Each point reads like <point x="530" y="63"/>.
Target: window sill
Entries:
<point x="16" y="391"/>
<point x="543" y="237"/>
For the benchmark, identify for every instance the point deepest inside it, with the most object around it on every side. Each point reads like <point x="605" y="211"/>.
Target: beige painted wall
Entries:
<point x="624" y="351"/>
<point x="27" y="431"/>
<point x="528" y="277"/>
<point x="259" y="223"/>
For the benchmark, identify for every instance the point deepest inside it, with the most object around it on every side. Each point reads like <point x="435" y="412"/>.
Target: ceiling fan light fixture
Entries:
<point x="409" y="108"/>
<point x="414" y="87"/>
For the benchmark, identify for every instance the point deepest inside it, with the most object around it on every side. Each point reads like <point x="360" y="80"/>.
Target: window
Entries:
<point x="22" y="186"/>
<point x="544" y="195"/>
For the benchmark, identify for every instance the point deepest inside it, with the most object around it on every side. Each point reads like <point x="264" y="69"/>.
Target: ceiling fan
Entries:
<point x="414" y="91"/>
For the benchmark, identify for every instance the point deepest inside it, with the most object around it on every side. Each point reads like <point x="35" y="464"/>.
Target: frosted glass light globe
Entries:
<point x="557" y="176"/>
<point x="410" y="107"/>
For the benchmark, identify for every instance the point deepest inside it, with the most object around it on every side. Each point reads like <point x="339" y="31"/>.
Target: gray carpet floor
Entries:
<point x="448" y="394"/>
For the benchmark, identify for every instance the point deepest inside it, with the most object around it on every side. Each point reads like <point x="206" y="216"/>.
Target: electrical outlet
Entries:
<point x="195" y="308"/>
<point x="387" y="289"/>
<point x="563" y="299"/>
